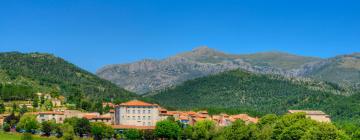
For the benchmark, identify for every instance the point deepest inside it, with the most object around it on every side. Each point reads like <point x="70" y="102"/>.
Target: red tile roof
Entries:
<point x="49" y="113"/>
<point x="137" y="103"/>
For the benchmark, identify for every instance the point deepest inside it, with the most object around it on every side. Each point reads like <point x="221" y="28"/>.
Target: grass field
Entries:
<point x="17" y="136"/>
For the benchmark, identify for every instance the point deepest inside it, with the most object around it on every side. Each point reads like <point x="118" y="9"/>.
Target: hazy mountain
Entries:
<point x="344" y="70"/>
<point x="150" y="75"/>
<point x="47" y="73"/>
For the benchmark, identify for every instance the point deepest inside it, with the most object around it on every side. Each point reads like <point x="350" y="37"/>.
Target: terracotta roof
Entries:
<point x="184" y="118"/>
<point x="133" y="127"/>
<point x="244" y="117"/>
<point x="49" y="113"/>
<point x="137" y="103"/>
<point x="191" y="113"/>
<point x="89" y="116"/>
<point x="308" y="112"/>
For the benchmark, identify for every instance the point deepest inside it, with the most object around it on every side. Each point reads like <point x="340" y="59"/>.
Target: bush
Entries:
<point x="6" y="127"/>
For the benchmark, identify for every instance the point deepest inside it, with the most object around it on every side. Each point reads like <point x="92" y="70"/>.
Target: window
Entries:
<point x="149" y="117"/>
<point x="138" y="117"/>
<point x="128" y="117"/>
<point x="144" y="124"/>
<point x="149" y="111"/>
<point x="128" y="111"/>
<point x="144" y="117"/>
<point x="133" y="117"/>
<point x="149" y="123"/>
<point x="139" y="111"/>
<point x="144" y="111"/>
<point x="133" y="111"/>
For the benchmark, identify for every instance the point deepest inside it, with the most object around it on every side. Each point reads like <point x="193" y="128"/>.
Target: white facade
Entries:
<point x="137" y="113"/>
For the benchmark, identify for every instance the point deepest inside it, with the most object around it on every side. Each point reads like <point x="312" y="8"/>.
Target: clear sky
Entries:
<point x="93" y="33"/>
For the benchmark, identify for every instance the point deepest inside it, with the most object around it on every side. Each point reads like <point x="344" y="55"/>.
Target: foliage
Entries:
<point x="82" y="126"/>
<point x="35" y="102"/>
<point x="167" y="129"/>
<point x="101" y="131"/>
<point x="133" y="134"/>
<point x="47" y="127"/>
<point x="2" y="107"/>
<point x="68" y="131"/>
<point x="204" y="130"/>
<point x="23" y="109"/>
<point x="23" y="74"/>
<point x="6" y="127"/>
<point x="12" y="120"/>
<point x="28" y="123"/>
<point x="239" y="91"/>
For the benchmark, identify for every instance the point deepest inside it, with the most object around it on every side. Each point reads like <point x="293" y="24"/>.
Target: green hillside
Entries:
<point x="240" y="91"/>
<point x="22" y="74"/>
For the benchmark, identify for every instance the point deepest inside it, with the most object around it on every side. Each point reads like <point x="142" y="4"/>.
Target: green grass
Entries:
<point x="17" y="136"/>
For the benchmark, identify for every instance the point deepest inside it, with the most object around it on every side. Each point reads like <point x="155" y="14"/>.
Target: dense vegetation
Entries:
<point x="285" y="127"/>
<point x="270" y="127"/>
<point x="239" y="91"/>
<point x="50" y="74"/>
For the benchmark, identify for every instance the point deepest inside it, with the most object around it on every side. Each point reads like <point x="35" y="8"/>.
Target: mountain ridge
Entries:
<point x="148" y="75"/>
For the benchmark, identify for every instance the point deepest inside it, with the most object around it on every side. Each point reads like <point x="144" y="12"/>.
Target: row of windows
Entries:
<point x="149" y="124"/>
<point x="137" y="117"/>
<point x="138" y="111"/>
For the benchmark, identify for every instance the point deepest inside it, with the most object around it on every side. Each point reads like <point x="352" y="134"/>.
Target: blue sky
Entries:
<point x="92" y="33"/>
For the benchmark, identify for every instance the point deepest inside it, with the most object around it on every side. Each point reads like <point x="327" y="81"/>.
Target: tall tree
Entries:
<point x="167" y="129"/>
<point x="82" y="126"/>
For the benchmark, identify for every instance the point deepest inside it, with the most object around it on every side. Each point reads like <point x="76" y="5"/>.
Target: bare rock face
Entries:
<point x="151" y="75"/>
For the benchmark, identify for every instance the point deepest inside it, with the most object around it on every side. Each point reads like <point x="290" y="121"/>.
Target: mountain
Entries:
<point x="47" y="73"/>
<point x="242" y="91"/>
<point x="150" y="75"/>
<point x="343" y="70"/>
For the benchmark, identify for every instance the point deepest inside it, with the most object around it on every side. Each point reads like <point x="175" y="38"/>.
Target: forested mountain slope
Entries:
<point x="241" y="91"/>
<point x="24" y="73"/>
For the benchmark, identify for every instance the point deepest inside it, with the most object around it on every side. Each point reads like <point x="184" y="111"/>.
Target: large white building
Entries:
<point x="136" y="113"/>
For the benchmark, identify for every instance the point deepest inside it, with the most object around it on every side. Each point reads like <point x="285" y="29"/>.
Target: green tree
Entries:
<point x="23" y="109"/>
<point x="47" y="127"/>
<point x="48" y="105"/>
<point x="133" y="134"/>
<point x="107" y="109"/>
<point x="204" y="130"/>
<point x="324" y="131"/>
<point x="14" y="107"/>
<point x="98" y="107"/>
<point x="82" y="126"/>
<point x="12" y="120"/>
<point x="237" y="131"/>
<point x="167" y="129"/>
<point x="58" y="130"/>
<point x="28" y="123"/>
<point x="42" y="99"/>
<point x="68" y="131"/>
<point x="6" y="127"/>
<point x="101" y="131"/>
<point x="2" y="107"/>
<point x="35" y="102"/>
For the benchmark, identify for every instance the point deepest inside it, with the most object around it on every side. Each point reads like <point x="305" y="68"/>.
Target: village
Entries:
<point x="136" y="114"/>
